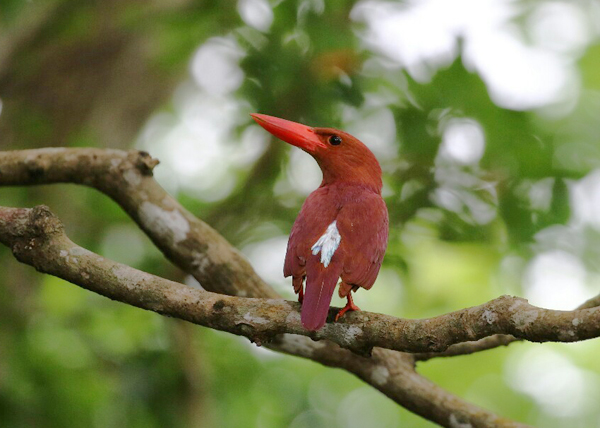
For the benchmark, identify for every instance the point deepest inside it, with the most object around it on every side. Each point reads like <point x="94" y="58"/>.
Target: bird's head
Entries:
<point x="342" y="157"/>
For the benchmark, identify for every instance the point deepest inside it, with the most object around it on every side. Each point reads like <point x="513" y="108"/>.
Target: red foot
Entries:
<point x="301" y="295"/>
<point x="350" y="306"/>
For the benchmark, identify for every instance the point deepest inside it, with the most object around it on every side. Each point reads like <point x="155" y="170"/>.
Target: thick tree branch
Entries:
<point x="487" y="343"/>
<point x="37" y="238"/>
<point x="126" y="177"/>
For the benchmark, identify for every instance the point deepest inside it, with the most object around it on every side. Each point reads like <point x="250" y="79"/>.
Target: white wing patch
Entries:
<point x="327" y="244"/>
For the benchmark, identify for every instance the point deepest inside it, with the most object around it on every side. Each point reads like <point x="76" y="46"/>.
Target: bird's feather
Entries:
<point x="360" y="218"/>
<point x="320" y="285"/>
<point x="327" y="244"/>
<point x="364" y="223"/>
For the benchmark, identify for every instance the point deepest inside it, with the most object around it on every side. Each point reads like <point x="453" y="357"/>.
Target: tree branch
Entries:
<point x="487" y="343"/>
<point x="37" y="238"/>
<point x="126" y="177"/>
<point x="471" y="347"/>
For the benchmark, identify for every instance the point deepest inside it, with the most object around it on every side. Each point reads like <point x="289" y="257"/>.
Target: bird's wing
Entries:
<point x="363" y="225"/>
<point x="295" y="263"/>
<point x="335" y="237"/>
<point x="313" y="251"/>
<point x="316" y="214"/>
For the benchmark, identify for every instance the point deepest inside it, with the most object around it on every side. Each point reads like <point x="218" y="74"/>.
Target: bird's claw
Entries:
<point x="350" y="306"/>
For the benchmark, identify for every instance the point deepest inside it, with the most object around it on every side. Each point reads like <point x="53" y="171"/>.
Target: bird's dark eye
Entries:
<point x="335" y="140"/>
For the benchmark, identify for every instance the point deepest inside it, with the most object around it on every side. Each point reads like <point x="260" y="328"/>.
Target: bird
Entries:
<point x="342" y="229"/>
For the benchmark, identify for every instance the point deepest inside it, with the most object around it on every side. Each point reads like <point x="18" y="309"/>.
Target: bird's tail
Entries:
<point x="320" y="284"/>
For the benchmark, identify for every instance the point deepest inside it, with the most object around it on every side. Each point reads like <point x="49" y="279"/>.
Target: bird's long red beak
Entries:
<point x="291" y="132"/>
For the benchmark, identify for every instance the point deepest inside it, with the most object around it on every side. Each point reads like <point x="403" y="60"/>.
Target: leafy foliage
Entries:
<point x="464" y="229"/>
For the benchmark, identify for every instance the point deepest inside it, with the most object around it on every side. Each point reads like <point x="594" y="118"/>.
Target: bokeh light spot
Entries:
<point x="556" y="280"/>
<point x="554" y="381"/>
<point x="215" y="66"/>
<point x="463" y="141"/>
<point x="256" y="13"/>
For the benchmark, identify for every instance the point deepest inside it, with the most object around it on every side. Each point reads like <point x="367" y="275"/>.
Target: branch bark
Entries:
<point x="199" y="250"/>
<point x="487" y="343"/>
<point x="37" y="238"/>
<point x="471" y="347"/>
<point x="126" y="177"/>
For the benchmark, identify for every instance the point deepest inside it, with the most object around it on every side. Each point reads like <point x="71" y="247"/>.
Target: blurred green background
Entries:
<point x="483" y="113"/>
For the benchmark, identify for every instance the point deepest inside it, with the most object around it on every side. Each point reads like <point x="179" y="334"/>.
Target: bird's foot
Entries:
<point x="350" y="306"/>
<point x="300" y="295"/>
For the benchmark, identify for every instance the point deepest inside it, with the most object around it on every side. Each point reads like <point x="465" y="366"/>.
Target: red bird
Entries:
<point x="342" y="228"/>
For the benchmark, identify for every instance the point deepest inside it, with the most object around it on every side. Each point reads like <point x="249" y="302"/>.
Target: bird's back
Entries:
<point x="341" y="231"/>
